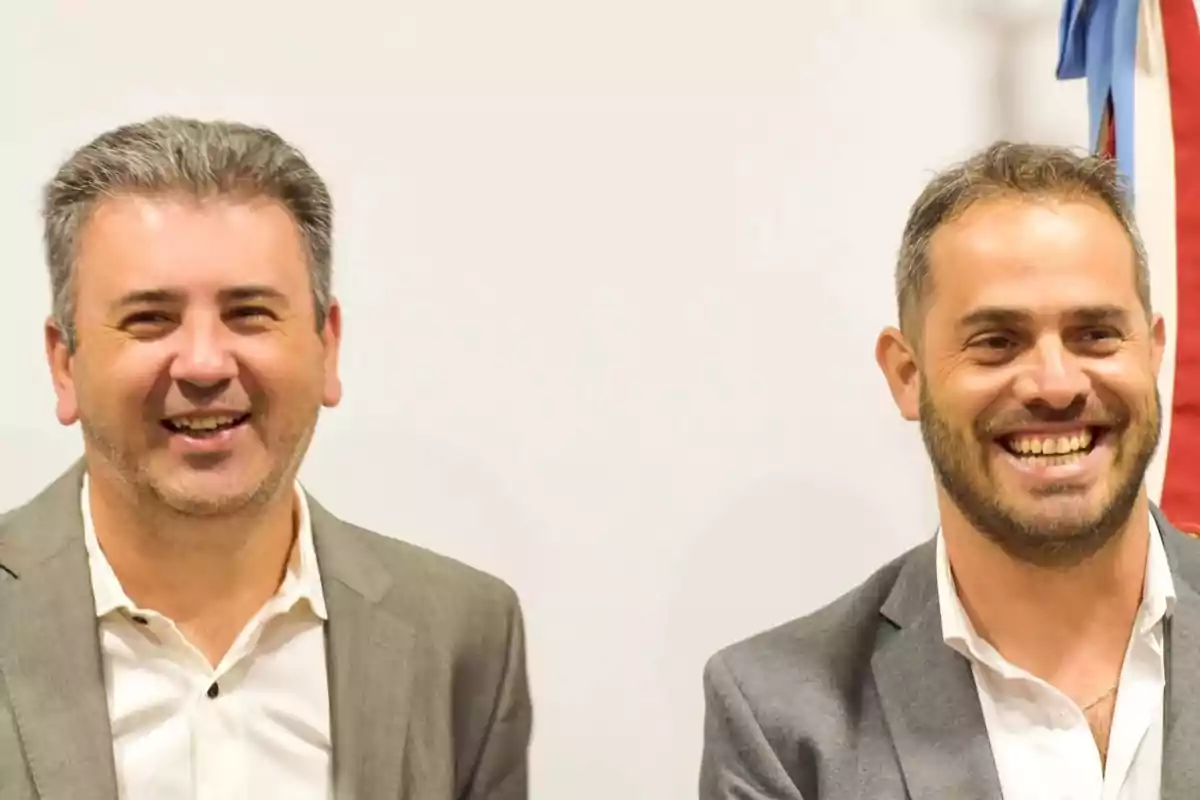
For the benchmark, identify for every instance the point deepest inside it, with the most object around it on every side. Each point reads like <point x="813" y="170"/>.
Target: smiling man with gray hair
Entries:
<point x="179" y="618"/>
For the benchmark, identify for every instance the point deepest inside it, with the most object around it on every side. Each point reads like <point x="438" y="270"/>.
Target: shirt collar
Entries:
<point x="302" y="580"/>
<point x="1158" y="598"/>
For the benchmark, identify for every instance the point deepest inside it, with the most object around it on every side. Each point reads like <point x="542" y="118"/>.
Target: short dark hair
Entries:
<point x="1014" y="169"/>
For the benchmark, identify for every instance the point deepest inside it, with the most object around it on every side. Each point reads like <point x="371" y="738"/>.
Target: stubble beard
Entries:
<point x="160" y="495"/>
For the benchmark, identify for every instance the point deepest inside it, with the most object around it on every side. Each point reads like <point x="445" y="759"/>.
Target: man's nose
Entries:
<point x="204" y="358"/>
<point x="1053" y="376"/>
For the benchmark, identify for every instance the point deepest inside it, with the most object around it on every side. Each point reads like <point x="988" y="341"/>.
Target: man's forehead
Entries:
<point x="151" y="221"/>
<point x="153" y="244"/>
<point x="992" y="259"/>
<point x="1030" y="228"/>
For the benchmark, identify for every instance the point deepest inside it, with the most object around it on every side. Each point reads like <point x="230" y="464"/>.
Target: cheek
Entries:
<point x="121" y="384"/>
<point x="1129" y="385"/>
<point x="970" y="399"/>
<point x="287" y="375"/>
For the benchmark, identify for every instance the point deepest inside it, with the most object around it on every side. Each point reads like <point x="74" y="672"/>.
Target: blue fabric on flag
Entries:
<point x="1098" y="41"/>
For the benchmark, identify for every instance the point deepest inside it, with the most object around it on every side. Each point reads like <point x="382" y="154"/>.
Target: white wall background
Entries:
<point x="612" y="273"/>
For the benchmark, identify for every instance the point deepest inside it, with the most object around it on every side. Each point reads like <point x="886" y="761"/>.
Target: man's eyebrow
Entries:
<point x="148" y="296"/>
<point x="253" y="292"/>
<point x="1098" y="315"/>
<point x="994" y="315"/>
<point x="142" y="297"/>
<point x="1014" y="317"/>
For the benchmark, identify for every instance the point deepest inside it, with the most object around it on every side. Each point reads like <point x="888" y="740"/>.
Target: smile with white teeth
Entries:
<point x="205" y="425"/>
<point x="1050" y="450"/>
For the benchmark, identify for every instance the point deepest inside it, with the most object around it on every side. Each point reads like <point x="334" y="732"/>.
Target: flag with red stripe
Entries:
<point x="1141" y="61"/>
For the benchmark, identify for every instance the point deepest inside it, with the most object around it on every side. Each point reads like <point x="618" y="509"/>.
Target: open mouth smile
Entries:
<point x="1059" y="455"/>
<point x="210" y="435"/>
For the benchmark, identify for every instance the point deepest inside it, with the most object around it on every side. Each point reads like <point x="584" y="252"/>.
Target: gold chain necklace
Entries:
<point x="1099" y="699"/>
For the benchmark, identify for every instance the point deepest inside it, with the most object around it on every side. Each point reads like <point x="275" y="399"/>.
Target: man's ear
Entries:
<point x="1158" y="342"/>
<point x="60" y="359"/>
<point x="897" y="359"/>
<point x="331" y="339"/>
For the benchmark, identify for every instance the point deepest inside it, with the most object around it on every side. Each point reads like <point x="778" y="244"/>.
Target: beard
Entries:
<point x="961" y="461"/>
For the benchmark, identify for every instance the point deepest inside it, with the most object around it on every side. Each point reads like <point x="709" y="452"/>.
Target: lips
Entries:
<point x="204" y="426"/>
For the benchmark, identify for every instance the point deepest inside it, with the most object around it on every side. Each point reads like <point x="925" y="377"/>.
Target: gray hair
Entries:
<point x="1007" y="169"/>
<point x="202" y="158"/>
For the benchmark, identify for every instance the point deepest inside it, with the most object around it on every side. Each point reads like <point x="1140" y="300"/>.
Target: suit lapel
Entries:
<point x="1181" y="732"/>
<point x="49" y="650"/>
<point x="928" y="695"/>
<point x="1181" y="723"/>
<point x="370" y="664"/>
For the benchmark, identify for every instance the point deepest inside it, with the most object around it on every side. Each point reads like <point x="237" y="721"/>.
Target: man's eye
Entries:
<point x="1099" y="334"/>
<point x="252" y="312"/>
<point x="994" y="342"/>
<point x="143" y="318"/>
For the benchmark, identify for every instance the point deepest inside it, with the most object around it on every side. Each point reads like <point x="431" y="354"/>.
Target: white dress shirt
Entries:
<point x="256" y="726"/>
<point x="1041" y="742"/>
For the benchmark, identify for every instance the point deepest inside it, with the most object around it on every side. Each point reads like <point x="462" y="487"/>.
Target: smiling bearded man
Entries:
<point x="1042" y="642"/>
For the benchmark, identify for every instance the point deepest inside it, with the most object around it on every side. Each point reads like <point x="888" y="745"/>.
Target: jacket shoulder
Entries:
<point x="824" y="654"/>
<point x="1183" y="551"/>
<point x="418" y="572"/>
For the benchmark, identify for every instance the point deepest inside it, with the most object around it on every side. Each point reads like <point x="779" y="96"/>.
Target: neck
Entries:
<point x="191" y="568"/>
<point x="1068" y="626"/>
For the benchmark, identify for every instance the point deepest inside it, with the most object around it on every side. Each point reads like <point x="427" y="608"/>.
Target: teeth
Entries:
<point x="1050" y="445"/>
<point x="203" y="423"/>
<point x="1052" y="461"/>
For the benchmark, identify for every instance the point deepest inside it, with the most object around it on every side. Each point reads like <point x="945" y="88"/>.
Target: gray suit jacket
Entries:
<point x="428" y="693"/>
<point x="862" y="699"/>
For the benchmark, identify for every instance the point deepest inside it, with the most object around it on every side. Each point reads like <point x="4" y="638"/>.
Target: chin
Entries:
<point x="1069" y="515"/>
<point x="1062" y="510"/>
<point x="210" y="495"/>
<point x="207" y="504"/>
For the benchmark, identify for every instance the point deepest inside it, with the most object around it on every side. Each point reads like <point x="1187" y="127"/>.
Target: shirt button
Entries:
<point x="213" y="691"/>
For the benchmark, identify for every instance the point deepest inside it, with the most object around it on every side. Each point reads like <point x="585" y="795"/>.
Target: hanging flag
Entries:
<point x="1141" y="61"/>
